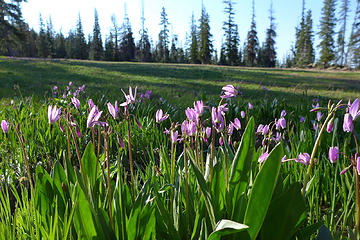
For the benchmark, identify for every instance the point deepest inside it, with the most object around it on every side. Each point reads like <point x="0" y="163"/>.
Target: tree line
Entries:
<point x="18" y="39"/>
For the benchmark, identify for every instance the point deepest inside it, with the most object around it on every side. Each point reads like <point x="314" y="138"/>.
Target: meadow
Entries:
<point x="187" y="152"/>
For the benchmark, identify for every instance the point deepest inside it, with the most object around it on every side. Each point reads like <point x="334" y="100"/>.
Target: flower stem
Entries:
<point x="212" y="154"/>
<point x="68" y="143"/>
<point x="130" y="154"/>
<point x="357" y="217"/>
<point x="316" y="145"/>
<point x="109" y="180"/>
<point x="22" y="144"/>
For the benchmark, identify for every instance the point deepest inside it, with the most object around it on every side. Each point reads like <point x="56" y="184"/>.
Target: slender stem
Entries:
<point x="109" y="180"/>
<point x="202" y="156"/>
<point x="172" y="163"/>
<point x="357" y="218"/>
<point x="316" y="145"/>
<point x="130" y="154"/>
<point x="77" y="153"/>
<point x="68" y="143"/>
<point x="186" y="186"/>
<point x="212" y="153"/>
<point x="93" y="137"/>
<point x="99" y="141"/>
<point x="22" y="144"/>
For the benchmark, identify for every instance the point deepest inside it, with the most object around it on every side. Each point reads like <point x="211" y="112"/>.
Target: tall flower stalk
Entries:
<point x="331" y="111"/>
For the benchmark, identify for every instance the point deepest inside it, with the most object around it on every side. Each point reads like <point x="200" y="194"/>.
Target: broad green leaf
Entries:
<point x="83" y="218"/>
<point x="226" y="227"/>
<point x="44" y="194"/>
<point x="261" y="193"/>
<point x="240" y="171"/>
<point x="90" y="164"/>
<point x="283" y="214"/>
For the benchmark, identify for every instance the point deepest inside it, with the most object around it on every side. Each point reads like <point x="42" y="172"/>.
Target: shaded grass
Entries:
<point x="178" y="83"/>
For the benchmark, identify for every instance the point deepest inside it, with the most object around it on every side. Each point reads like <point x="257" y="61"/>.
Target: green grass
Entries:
<point x="178" y="83"/>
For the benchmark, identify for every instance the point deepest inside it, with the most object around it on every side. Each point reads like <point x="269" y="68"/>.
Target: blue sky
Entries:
<point x="287" y="14"/>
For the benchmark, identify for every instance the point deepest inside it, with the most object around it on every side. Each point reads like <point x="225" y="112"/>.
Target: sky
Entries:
<point x="287" y="13"/>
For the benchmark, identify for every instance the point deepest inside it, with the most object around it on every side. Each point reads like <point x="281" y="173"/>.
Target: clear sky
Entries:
<point x="287" y="13"/>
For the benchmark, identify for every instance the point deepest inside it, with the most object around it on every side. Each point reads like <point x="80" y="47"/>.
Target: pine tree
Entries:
<point x="115" y="38"/>
<point x="109" y="48"/>
<point x="194" y="48"/>
<point x="327" y="32"/>
<point x="344" y="12"/>
<point x="96" y="50"/>
<point x="127" y="44"/>
<point x="206" y="47"/>
<point x="300" y="40"/>
<point x="42" y="43"/>
<point x="163" y="44"/>
<point x="10" y="19"/>
<point x="60" y="51"/>
<point x="222" y="60"/>
<point x="174" y="50"/>
<point x="143" y="49"/>
<point x="70" y="44"/>
<point x="50" y="37"/>
<point x="81" y="51"/>
<point x="252" y="42"/>
<point x="354" y="43"/>
<point x="269" y="49"/>
<point x="231" y="35"/>
<point x="309" y="53"/>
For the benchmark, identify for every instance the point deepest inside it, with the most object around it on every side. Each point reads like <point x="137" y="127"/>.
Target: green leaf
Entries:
<point x="89" y="163"/>
<point x="226" y="227"/>
<point x="283" y="214"/>
<point x="83" y="218"/>
<point x="44" y="194"/>
<point x="305" y="233"/>
<point x="262" y="191"/>
<point x="204" y="189"/>
<point x="240" y="171"/>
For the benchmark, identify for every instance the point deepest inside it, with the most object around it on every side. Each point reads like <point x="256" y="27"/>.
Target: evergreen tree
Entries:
<point x="174" y="50"/>
<point x="50" y="37"/>
<point x="300" y="40"/>
<point x="29" y="44"/>
<point x="206" y="46"/>
<point x="327" y="32"/>
<point x="70" y="44"/>
<point x="60" y="51"/>
<point x="252" y="45"/>
<point x="42" y="41"/>
<point x="269" y="49"/>
<point x="163" y="44"/>
<point x="127" y="44"/>
<point x="194" y="48"/>
<point x="115" y="38"/>
<point x="344" y="12"/>
<point x="10" y="19"/>
<point x="81" y="50"/>
<point x="109" y="48"/>
<point x="143" y="50"/>
<point x="222" y="60"/>
<point x="231" y="35"/>
<point x="309" y="53"/>
<point x="96" y="50"/>
<point x="354" y="43"/>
